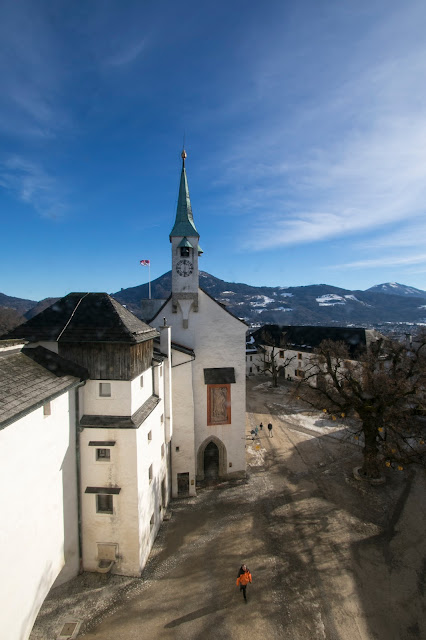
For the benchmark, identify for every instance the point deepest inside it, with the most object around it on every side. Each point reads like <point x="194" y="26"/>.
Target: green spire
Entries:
<point x="184" y="223"/>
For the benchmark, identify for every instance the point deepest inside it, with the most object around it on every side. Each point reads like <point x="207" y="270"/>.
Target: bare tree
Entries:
<point x="384" y="388"/>
<point x="275" y="359"/>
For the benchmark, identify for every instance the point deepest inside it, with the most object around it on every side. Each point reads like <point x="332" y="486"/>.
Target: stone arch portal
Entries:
<point x="211" y="459"/>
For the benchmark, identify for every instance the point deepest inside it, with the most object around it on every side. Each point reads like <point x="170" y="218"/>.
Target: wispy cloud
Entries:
<point x="347" y="158"/>
<point x="127" y="54"/>
<point x="384" y="261"/>
<point x="32" y="185"/>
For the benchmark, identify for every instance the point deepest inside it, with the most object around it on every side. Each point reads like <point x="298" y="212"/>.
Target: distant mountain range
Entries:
<point x="383" y="305"/>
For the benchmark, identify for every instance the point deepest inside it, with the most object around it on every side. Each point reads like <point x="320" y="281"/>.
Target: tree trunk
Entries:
<point x="370" y="467"/>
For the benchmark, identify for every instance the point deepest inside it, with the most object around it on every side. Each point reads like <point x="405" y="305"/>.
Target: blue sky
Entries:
<point x="304" y="123"/>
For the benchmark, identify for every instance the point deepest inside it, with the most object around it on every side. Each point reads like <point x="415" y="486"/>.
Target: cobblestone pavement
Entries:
<point x="331" y="558"/>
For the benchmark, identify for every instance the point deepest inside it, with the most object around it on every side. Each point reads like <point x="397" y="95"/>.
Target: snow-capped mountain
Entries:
<point x="319" y="304"/>
<point x="396" y="289"/>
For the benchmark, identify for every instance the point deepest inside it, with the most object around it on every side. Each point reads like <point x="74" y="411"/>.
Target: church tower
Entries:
<point x="185" y="252"/>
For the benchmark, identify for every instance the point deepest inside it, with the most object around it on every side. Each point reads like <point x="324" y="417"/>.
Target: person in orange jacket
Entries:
<point x="243" y="578"/>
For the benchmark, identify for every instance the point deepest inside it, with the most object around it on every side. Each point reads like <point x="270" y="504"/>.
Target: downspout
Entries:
<point x="77" y="455"/>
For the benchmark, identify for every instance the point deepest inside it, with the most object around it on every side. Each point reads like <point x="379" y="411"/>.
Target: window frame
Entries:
<point x="107" y="497"/>
<point x="105" y="395"/>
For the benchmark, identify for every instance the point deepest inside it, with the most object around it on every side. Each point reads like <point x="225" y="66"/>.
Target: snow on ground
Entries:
<point x="329" y="299"/>
<point x="263" y="300"/>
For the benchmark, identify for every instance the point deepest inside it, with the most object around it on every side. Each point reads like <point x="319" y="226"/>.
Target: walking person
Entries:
<point x="261" y="426"/>
<point x="243" y="578"/>
<point x="256" y="430"/>
<point x="270" y="430"/>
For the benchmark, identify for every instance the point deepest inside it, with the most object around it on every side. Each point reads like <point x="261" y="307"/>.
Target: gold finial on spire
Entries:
<point x="183" y="156"/>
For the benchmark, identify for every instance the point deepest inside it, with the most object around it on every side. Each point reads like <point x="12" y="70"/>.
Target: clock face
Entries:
<point x="184" y="268"/>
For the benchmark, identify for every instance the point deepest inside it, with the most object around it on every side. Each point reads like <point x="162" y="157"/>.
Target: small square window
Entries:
<point x="47" y="409"/>
<point x="150" y="473"/>
<point x="104" y="503"/>
<point x="177" y="448"/>
<point x="149" y="436"/>
<point x="141" y="381"/>
<point x="103" y="454"/>
<point x="105" y="389"/>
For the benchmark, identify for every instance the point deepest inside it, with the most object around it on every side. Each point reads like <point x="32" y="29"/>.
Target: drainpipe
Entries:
<point x="78" y="462"/>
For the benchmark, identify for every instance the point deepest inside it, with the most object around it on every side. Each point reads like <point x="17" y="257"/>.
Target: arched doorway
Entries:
<point x="211" y="461"/>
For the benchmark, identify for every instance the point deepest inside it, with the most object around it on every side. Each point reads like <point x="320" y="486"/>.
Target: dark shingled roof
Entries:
<point x="31" y="378"/>
<point x="85" y="317"/>
<point x="307" y="338"/>
<point x="122" y="422"/>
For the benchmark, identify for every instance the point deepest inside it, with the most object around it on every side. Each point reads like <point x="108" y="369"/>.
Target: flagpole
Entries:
<point x="149" y="278"/>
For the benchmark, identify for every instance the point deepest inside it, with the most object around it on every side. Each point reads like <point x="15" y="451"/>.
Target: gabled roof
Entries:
<point x="184" y="223"/>
<point x="31" y="378"/>
<point x="209" y="296"/>
<point x="85" y="317"/>
<point x="307" y="338"/>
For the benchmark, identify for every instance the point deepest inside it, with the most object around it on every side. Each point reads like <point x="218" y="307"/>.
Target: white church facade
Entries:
<point x="208" y="366"/>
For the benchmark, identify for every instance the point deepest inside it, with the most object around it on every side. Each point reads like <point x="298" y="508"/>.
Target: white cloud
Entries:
<point x="33" y="186"/>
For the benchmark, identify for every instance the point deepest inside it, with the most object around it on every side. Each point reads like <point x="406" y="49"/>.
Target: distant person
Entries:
<point x="253" y="434"/>
<point x="270" y="430"/>
<point x="256" y="430"/>
<point x="243" y="578"/>
<point x="261" y="426"/>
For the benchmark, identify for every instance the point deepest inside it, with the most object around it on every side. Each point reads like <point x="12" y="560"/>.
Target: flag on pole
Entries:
<point x="145" y="263"/>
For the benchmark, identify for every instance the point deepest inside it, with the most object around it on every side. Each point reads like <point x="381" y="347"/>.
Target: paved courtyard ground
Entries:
<point x="332" y="558"/>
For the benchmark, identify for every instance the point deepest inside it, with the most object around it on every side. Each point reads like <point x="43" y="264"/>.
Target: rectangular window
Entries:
<point x="150" y="473"/>
<point x="281" y="354"/>
<point x="299" y="356"/>
<point x="104" y="503"/>
<point x="152" y="521"/>
<point x="149" y="436"/>
<point x="105" y="389"/>
<point x="162" y="450"/>
<point x="161" y="371"/>
<point x="103" y="454"/>
<point x="251" y="358"/>
<point x="218" y="404"/>
<point x="47" y="409"/>
<point x="141" y="382"/>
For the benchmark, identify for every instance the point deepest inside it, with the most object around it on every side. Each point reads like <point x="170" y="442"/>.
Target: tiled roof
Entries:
<point x="25" y="384"/>
<point x="85" y="317"/>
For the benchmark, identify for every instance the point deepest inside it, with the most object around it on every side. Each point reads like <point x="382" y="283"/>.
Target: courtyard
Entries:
<point x="331" y="557"/>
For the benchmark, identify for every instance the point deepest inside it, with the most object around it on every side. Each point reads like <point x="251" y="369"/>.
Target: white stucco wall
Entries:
<point x="134" y="451"/>
<point x="37" y="477"/>
<point x="183" y="442"/>
<point x="218" y="340"/>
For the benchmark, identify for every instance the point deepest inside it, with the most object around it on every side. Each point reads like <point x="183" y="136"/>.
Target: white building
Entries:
<point x="39" y="536"/>
<point x="292" y="346"/>
<point x="124" y="425"/>
<point x="208" y="366"/>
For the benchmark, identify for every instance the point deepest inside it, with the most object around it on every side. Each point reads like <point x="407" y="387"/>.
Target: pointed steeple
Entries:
<point x="184" y="223"/>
